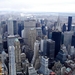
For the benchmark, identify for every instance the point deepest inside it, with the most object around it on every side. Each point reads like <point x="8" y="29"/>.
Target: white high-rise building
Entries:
<point x="28" y="24"/>
<point x="4" y="56"/>
<point x="11" y="40"/>
<point x="44" y="66"/>
<point x="42" y="45"/>
<point x="36" y="50"/>
<point x="32" y="71"/>
<point x="36" y="55"/>
<point x="17" y="55"/>
<point x="12" y="65"/>
<point x="17" y="50"/>
<point x="22" y="33"/>
<point x="30" y="32"/>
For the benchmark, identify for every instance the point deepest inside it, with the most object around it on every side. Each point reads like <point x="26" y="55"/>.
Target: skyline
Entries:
<point x="38" y="5"/>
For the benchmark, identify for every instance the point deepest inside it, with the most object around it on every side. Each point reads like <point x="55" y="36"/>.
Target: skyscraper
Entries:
<point x="23" y="34"/>
<point x="50" y="48"/>
<point x="17" y="54"/>
<point x="36" y="53"/>
<point x="41" y="45"/>
<point x="12" y="65"/>
<point x="17" y="50"/>
<point x="39" y="32"/>
<point x="56" y="36"/>
<point x="11" y="40"/>
<point x="72" y="27"/>
<point x="64" y="28"/>
<point x="32" y="71"/>
<point x="73" y="41"/>
<point x="4" y="56"/>
<point x="1" y="44"/>
<point x="28" y="24"/>
<point x="47" y="47"/>
<point x="49" y="33"/>
<point x="61" y="56"/>
<point x="68" y="38"/>
<point x="44" y="31"/>
<point x="12" y="27"/>
<point x="32" y="38"/>
<point x="3" y="26"/>
<point x="44" y="66"/>
<point x="44" y="45"/>
<point x="69" y="23"/>
<point x="58" y="26"/>
<point x="15" y="26"/>
<point x="50" y="52"/>
<point x="20" y="27"/>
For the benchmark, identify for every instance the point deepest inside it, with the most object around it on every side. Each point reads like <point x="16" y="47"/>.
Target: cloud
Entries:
<point x="38" y="5"/>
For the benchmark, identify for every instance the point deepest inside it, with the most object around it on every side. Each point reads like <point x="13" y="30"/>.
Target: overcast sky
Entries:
<point x="38" y="5"/>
